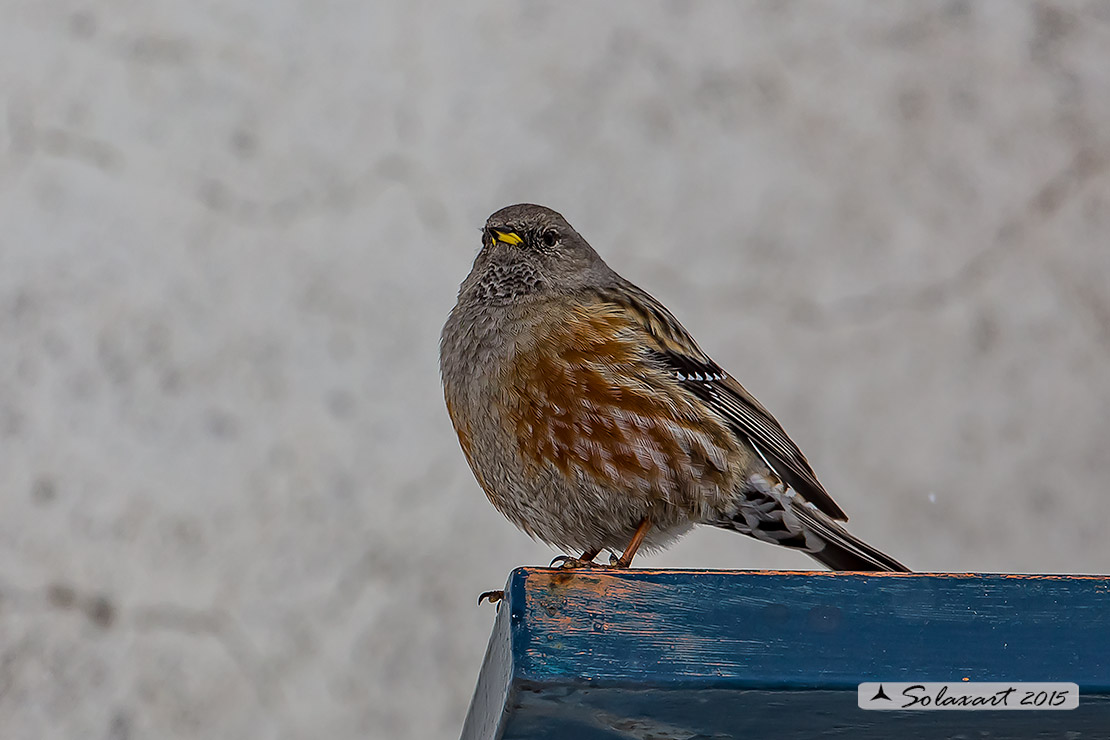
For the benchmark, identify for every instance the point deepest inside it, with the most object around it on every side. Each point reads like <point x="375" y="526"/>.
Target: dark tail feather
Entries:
<point x="837" y="557"/>
<point x="842" y="550"/>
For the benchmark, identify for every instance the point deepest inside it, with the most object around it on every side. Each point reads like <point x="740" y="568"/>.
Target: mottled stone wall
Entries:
<point x="232" y="504"/>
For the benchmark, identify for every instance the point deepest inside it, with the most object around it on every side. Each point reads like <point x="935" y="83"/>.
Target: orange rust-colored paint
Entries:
<point x="587" y="584"/>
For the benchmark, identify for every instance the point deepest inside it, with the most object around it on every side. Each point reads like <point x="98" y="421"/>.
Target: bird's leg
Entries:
<point x="586" y="561"/>
<point x="625" y="560"/>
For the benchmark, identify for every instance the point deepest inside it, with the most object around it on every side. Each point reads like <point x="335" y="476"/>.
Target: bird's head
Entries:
<point x="530" y="250"/>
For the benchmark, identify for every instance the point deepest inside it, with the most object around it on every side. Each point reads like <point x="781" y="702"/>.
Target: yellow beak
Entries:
<point x="508" y="237"/>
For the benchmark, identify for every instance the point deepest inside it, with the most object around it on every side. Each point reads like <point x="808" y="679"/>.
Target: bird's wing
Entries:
<point x="677" y="351"/>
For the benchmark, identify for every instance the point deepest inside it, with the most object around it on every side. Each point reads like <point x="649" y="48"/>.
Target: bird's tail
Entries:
<point x="842" y="550"/>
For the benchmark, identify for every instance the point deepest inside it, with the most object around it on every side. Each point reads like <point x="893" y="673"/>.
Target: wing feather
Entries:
<point x="696" y="371"/>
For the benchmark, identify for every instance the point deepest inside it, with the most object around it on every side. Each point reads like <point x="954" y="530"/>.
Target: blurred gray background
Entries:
<point x="232" y="502"/>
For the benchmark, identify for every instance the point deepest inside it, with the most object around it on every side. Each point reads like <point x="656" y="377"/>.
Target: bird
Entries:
<point x="594" y="422"/>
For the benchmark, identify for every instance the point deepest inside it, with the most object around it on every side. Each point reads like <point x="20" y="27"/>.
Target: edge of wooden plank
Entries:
<point x="492" y="701"/>
<point x="654" y="627"/>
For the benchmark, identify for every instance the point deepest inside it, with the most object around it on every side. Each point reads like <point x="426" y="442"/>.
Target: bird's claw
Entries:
<point x="567" y="562"/>
<point x="493" y="597"/>
<point x="617" y="562"/>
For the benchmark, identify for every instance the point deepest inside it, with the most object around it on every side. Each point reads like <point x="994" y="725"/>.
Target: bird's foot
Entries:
<point x="493" y="597"/>
<point x="618" y="562"/>
<point x="567" y="562"/>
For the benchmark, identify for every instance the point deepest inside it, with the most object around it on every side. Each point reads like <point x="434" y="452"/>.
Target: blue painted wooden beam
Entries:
<point x="700" y="655"/>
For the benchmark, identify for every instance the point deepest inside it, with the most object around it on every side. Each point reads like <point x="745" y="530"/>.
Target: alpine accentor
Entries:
<point x="593" y="420"/>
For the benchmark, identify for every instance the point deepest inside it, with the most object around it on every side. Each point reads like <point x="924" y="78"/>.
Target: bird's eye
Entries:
<point x="550" y="238"/>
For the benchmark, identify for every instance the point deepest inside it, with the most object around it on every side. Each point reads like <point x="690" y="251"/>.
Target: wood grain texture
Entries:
<point x="719" y="654"/>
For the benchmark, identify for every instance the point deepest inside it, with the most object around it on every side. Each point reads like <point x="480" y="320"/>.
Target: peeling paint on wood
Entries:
<point x="690" y="655"/>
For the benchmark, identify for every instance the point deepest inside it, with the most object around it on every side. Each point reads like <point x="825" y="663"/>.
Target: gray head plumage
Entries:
<point x="530" y="250"/>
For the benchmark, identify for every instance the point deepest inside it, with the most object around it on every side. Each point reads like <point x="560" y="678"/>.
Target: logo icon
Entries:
<point x="880" y="694"/>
